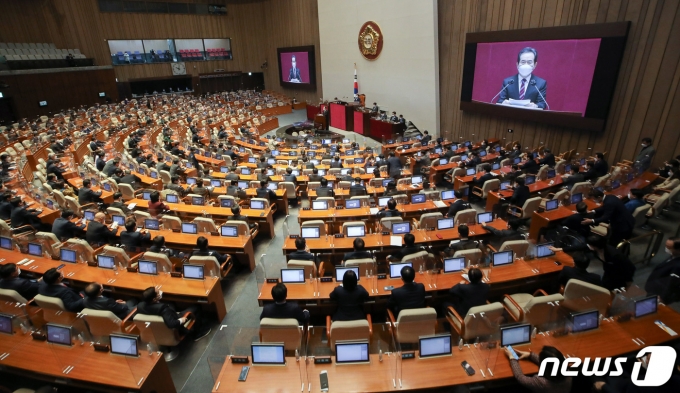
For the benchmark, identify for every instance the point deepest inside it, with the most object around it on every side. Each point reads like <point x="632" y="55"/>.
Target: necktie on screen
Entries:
<point x="521" y="89"/>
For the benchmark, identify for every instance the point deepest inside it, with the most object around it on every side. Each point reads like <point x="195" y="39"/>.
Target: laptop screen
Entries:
<point x="216" y="183"/>
<point x="576" y="198"/>
<point x="245" y="171"/>
<point x="417" y="198"/>
<point x="645" y="306"/>
<point x="395" y="269"/>
<point x="584" y="321"/>
<point x="470" y="171"/>
<point x="356" y="231"/>
<point x="147" y="267"/>
<point x="353" y="204"/>
<point x="445" y="223"/>
<point x="188" y="227"/>
<point x="197" y="201"/>
<point x="319" y="205"/>
<point x="484" y="217"/>
<point x="416" y="179"/>
<point x="35" y="249"/>
<point x="528" y="180"/>
<point x="502" y="258"/>
<point x="310" y="232"/>
<point x="58" y="334"/>
<point x="172" y="198"/>
<point x="495" y="166"/>
<point x="273" y="186"/>
<point x="151" y="224"/>
<point x="146" y="195"/>
<point x="193" y="271"/>
<point x="229" y="230"/>
<point x="515" y="335"/>
<point x="224" y="169"/>
<point x="67" y="255"/>
<point x="267" y="353"/>
<point x="6" y="243"/>
<point x="6" y="324"/>
<point x="191" y="180"/>
<point x="259" y="205"/>
<point x="382" y="201"/>
<point x="120" y="220"/>
<point x="551" y="173"/>
<point x="446" y="195"/>
<point x="452" y="265"/>
<point x="226" y="202"/>
<point x="294" y="276"/>
<point x="505" y="185"/>
<point x="340" y="272"/>
<point x="123" y="345"/>
<point x="401" y="227"/>
<point x="434" y="346"/>
<point x="154" y="175"/>
<point x="106" y="261"/>
<point x="242" y="185"/>
<point x="543" y="250"/>
<point x="351" y="352"/>
<point x="551" y="205"/>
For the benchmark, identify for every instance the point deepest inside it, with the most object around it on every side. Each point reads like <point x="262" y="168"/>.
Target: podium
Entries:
<point x="342" y="116"/>
<point x="561" y="118"/>
<point x="362" y="122"/>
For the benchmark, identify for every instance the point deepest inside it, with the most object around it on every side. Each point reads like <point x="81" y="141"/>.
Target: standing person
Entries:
<point x="644" y="158"/>
<point x="393" y="166"/>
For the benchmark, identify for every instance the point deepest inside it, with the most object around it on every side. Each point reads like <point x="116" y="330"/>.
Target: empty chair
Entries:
<point x="487" y="187"/>
<point x="518" y="247"/>
<point x="315" y="224"/>
<point x="163" y="263"/>
<point x="54" y="310"/>
<point x="364" y="265"/>
<point x="284" y="330"/>
<point x="211" y="267"/>
<point x="473" y="255"/>
<point x="523" y="307"/>
<point x="428" y="220"/>
<point x="205" y="225"/>
<point x="475" y="325"/>
<point x="121" y="258"/>
<point x="420" y="260"/>
<point x="413" y="323"/>
<point x="580" y="296"/>
<point x="466" y="216"/>
<point x="526" y="211"/>
<point x="360" y="329"/>
<point x="82" y="248"/>
<point x="101" y="323"/>
<point x="12" y="296"/>
<point x="309" y="266"/>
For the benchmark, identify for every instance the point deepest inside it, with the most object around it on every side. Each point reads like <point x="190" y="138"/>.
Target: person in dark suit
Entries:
<point x="126" y="177"/>
<point x="86" y="195"/>
<point x="601" y="166"/>
<point x="175" y="186"/>
<point x="394" y="118"/>
<point x="203" y="250"/>
<point x="119" y="203"/>
<point x="282" y="309"/>
<point x="408" y="248"/>
<point x="464" y="243"/>
<point x="467" y="295"/>
<point x="315" y="175"/>
<point x="237" y="216"/>
<point x="390" y="210"/>
<point x="408" y="296"/>
<point x="111" y="166"/>
<point x="359" y="251"/>
<point x="473" y="160"/>
<point x="613" y="212"/>
<point x="132" y="239"/>
<point x="100" y="162"/>
<point x="176" y="168"/>
<point x="290" y="177"/>
<point x="660" y="282"/>
<point x="520" y="194"/>
<point x="95" y="299"/>
<point x="502" y="235"/>
<point x="530" y="165"/>
<point x="98" y="232"/>
<point x="486" y="176"/>
<point x="350" y="298"/>
<point x="393" y="166"/>
<point x="375" y="108"/>
<point x="336" y="162"/>
<point x="524" y="85"/>
<point x="618" y="269"/>
<point x="265" y="193"/>
<point x="459" y="205"/>
<point x="547" y="158"/>
<point x="294" y="73"/>
<point x="64" y="229"/>
<point x="9" y="279"/>
<point x="573" y="222"/>
<point x="151" y="305"/>
<point x="579" y="271"/>
<point x="53" y="286"/>
<point x="426" y="138"/>
<point x="5" y="206"/>
<point x="53" y="168"/>
<point x="21" y="216"/>
<point x="590" y="173"/>
<point x="357" y="189"/>
<point x="574" y="177"/>
<point x="324" y="190"/>
<point x="301" y="252"/>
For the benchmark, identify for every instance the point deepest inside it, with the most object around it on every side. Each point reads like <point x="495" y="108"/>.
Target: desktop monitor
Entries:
<point x="417" y="198"/>
<point x="345" y="171"/>
<point x="198" y="201"/>
<point x="447" y="195"/>
<point x="506" y="185"/>
<point x="190" y="228"/>
<point x="470" y="171"/>
<point x="629" y="177"/>
<point x="106" y="261"/>
<point x="340" y="272"/>
<point x="415" y="180"/>
<point x="319" y="205"/>
<point x="273" y="186"/>
<point x="399" y="228"/>
<point x="229" y="230"/>
<point x="395" y="268"/>
<point x="122" y="344"/>
<point x="551" y="173"/>
<point x="552" y="204"/>
<point x="482" y="153"/>
<point x="467" y="143"/>
<point x="154" y="175"/>
<point x="57" y="334"/>
<point x="295" y="172"/>
<point x="495" y="166"/>
<point x="322" y="172"/>
<point x="268" y="353"/>
<point x="89" y="215"/>
<point x="276" y="152"/>
<point x="310" y="232"/>
<point x="151" y="223"/>
<point x="576" y="198"/>
<point x="35" y="249"/>
<point x="515" y="335"/>
<point x="616" y="184"/>
<point x="172" y="198"/>
<point x="242" y="149"/>
<point x="206" y="154"/>
<point x="645" y="306"/>
<point x="445" y="223"/>
<point x="382" y="201"/>
<point x="218" y="156"/>
<point x="142" y="171"/>
<point x="120" y="220"/>
<point x="567" y="168"/>
<point x="529" y="180"/>
<point x="502" y="258"/>
<point x="371" y="169"/>
<point x="147" y="267"/>
<point x="437" y="150"/>
<point x="292" y="153"/>
<point x="6" y="324"/>
<point x="252" y="160"/>
<point x="431" y="346"/>
<point x="292" y="276"/>
<point x="349" y="152"/>
<point x="271" y="161"/>
<point x="517" y="160"/>
<point x="443" y="161"/>
<point x="245" y="171"/>
<point x="584" y="321"/>
<point x="191" y="181"/>
<point x="351" y="352"/>
<point x="242" y="184"/>
<point x="484" y="217"/>
<point x="543" y="250"/>
<point x="498" y="148"/>
<point x="107" y="187"/>
<point x="464" y="157"/>
<point x="353" y="204"/>
<point x="226" y="202"/>
<point x="225" y="169"/>
<point x="146" y="195"/>
<point x="405" y="147"/>
<point x="193" y="271"/>
<point x="356" y="231"/>
<point x="216" y="183"/>
<point x="452" y="265"/>
<point x="189" y="165"/>
<point x="6" y="243"/>
<point x="326" y="141"/>
<point x="257" y="205"/>
<point x="67" y="255"/>
<point x="359" y="160"/>
<point x="385" y="182"/>
<point x="582" y="161"/>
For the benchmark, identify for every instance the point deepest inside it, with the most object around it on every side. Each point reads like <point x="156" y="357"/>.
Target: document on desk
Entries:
<point x="439" y="204"/>
<point x="132" y="206"/>
<point x="374" y="211"/>
<point x="395" y="241"/>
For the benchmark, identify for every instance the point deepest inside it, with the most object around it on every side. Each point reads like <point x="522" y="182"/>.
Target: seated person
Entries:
<point x="510" y="233"/>
<point x="573" y="222"/>
<point x="520" y="194"/>
<point x="408" y="296"/>
<point x="356" y="188"/>
<point x="281" y="309"/>
<point x="86" y="195"/>
<point x="237" y="216"/>
<point x="464" y="243"/>
<point x="324" y="190"/>
<point x="200" y="189"/>
<point x="132" y="239"/>
<point x="302" y="251"/>
<point x="579" y="271"/>
<point x="158" y="246"/>
<point x="574" y="177"/>
<point x="119" y="203"/>
<point x="53" y="286"/>
<point x="635" y="200"/>
<point x="151" y="305"/>
<point x="234" y="190"/>
<point x="95" y="299"/>
<point x="350" y="298"/>
<point x="391" y="189"/>
<point x="175" y="186"/>
<point x="98" y="232"/>
<point x="21" y="216"/>
<point x="660" y="281"/>
<point x="64" y="229"/>
<point x="203" y="250"/>
<point x="535" y="383"/>
<point x="359" y="251"/>
<point x="487" y="175"/>
<point x="459" y="205"/>
<point x="9" y="279"/>
<point x="156" y="207"/>
<point x="265" y="193"/>
<point x="289" y="177"/>
<point x="672" y="181"/>
<point x="390" y="210"/>
<point x="467" y="295"/>
<point x="408" y="248"/>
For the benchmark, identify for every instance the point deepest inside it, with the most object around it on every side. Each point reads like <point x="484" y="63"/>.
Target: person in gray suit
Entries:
<point x="644" y="157"/>
<point x="393" y="166"/>
<point x="95" y="299"/>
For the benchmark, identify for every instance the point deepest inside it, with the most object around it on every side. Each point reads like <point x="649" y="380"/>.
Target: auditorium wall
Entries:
<point x="646" y="101"/>
<point x="405" y="78"/>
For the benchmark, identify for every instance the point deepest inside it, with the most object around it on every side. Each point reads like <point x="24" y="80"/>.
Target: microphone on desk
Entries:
<point x="504" y="87"/>
<point x="533" y="83"/>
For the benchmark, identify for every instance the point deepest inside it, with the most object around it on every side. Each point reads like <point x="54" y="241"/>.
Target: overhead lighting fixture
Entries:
<point x="250" y="73"/>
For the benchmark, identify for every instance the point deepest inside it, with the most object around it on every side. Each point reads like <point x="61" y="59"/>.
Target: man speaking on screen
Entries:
<point x="294" y="74"/>
<point x="525" y="85"/>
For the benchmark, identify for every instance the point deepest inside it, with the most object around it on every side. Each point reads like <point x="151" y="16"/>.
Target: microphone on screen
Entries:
<point x="533" y="83"/>
<point x="504" y="87"/>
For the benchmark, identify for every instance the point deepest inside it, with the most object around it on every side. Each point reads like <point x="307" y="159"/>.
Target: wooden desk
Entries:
<point x="107" y="196"/>
<point x="540" y="186"/>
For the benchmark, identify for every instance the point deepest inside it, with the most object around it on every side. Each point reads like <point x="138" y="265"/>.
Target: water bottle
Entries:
<point x="460" y="344"/>
<point x="533" y="332"/>
<point x="380" y="355"/>
<point x="115" y="269"/>
<point x="149" y="348"/>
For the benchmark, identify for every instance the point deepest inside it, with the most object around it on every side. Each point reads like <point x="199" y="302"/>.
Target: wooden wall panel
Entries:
<point x="646" y="101"/>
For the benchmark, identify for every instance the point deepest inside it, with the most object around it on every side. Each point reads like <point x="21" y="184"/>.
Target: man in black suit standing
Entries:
<point x="660" y="281"/>
<point x="393" y="166"/>
<point x="9" y="279"/>
<point x="613" y="212"/>
<point x="53" y="286"/>
<point x="408" y="296"/>
<point x="294" y="73"/>
<point x="151" y="305"/>
<point x="95" y="299"/>
<point x="525" y="85"/>
<point x="282" y="309"/>
<point x="465" y="296"/>
<point x="375" y="108"/>
<point x="601" y="166"/>
<point x="359" y="251"/>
